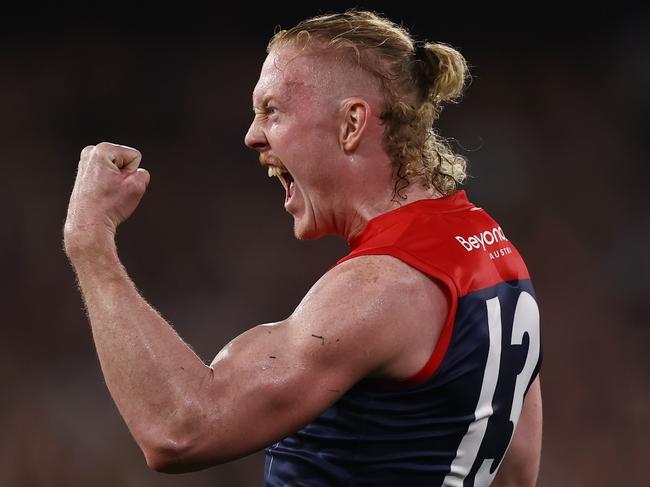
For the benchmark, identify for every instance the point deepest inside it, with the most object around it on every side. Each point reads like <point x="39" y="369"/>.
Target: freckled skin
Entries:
<point x="337" y="191"/>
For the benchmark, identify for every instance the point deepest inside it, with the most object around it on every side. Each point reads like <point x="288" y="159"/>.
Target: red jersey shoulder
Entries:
<point x="483" y="255"/>
<point x="465" y="246"/>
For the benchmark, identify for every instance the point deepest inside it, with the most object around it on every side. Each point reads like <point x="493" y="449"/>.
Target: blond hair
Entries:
<point x="415" y="79"/>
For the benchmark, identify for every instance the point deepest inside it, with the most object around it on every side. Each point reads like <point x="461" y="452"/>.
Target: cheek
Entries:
<point x="285" y="140"/>
<point x="310" y="149"/>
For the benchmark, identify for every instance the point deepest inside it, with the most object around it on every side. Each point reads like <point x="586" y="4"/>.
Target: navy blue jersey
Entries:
<point x="451" y="423"/>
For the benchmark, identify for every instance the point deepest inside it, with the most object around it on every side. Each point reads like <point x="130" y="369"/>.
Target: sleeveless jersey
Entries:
<point x="451" y="423"/>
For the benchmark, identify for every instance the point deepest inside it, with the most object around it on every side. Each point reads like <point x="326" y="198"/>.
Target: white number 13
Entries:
<point x="526" y="320"/>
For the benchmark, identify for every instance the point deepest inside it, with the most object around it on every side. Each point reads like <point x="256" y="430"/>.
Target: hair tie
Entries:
<point x="420" y="51"/>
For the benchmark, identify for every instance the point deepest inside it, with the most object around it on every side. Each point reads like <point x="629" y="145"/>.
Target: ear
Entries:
<point x="356" y="112"/>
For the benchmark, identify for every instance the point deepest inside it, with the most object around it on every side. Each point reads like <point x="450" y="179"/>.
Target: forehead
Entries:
<point x="286" y="74"/>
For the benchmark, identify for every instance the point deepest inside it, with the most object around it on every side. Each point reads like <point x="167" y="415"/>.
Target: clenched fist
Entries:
<point x="109" y="186"/>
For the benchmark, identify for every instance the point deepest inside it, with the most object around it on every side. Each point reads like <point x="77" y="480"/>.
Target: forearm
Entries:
<point x="154" y="378"/>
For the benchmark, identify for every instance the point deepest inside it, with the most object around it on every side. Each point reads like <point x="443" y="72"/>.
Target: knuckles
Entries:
<point x="85" y="152"/>
<point x="119" y="155"/>
<point x="106" y="148"/>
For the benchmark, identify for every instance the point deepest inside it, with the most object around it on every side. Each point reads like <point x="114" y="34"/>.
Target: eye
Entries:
<point x="266" y="111"/>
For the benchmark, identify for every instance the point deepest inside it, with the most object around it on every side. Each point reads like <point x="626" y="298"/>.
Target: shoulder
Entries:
<point x="374" y="280"/>
<point x="383" y="269"/>
<point x="382" y="303"/>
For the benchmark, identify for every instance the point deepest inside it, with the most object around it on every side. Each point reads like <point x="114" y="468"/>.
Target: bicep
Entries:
<point x="269" y="383"/>
<point x="520" y="466"/>
<point x="275" y="378"/>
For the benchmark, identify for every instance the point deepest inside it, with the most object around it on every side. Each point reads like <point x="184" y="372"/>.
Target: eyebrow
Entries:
<point x="265" y="102"/>
<point x="283" y="99"/>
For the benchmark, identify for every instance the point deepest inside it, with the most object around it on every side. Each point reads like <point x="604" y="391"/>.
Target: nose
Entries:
<point x="255" y="138"/>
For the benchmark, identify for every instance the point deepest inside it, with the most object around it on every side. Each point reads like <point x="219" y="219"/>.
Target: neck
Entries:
<point x="367" y="209"/>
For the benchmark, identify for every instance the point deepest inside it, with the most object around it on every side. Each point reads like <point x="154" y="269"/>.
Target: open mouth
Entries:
<point x="285" y="178"/>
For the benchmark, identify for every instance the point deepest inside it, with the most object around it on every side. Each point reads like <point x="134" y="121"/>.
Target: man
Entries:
<point x="413" y="359"/>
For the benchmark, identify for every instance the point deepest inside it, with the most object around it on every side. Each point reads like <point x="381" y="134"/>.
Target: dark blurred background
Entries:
<point x="555" y="125"/>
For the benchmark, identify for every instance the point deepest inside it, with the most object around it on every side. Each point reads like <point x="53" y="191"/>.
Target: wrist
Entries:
<point x="88" y="243"/>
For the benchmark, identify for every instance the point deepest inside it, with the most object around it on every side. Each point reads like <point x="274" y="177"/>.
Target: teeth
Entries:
<point x="275" y="171"/>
